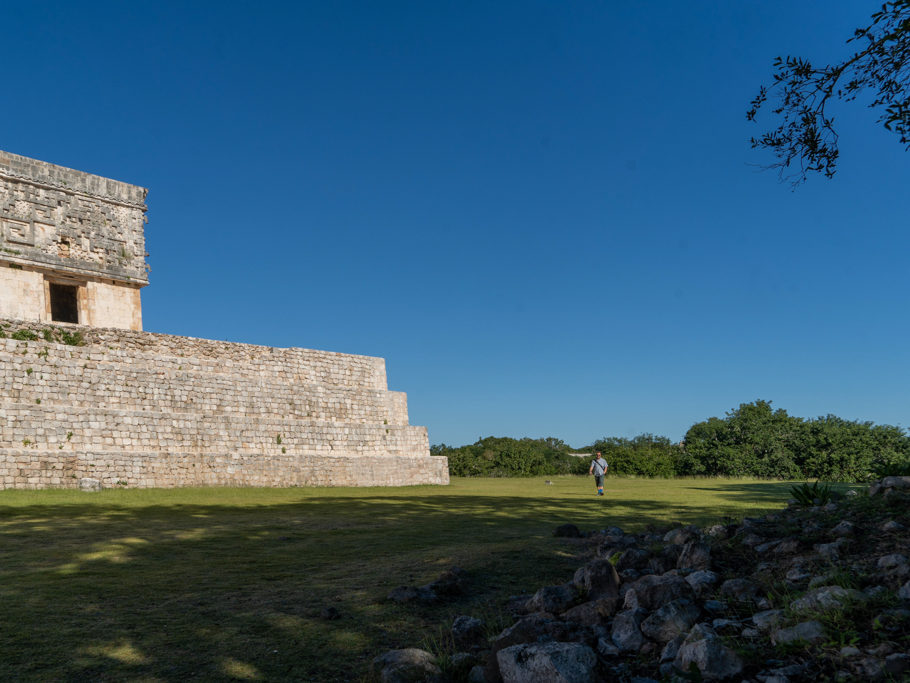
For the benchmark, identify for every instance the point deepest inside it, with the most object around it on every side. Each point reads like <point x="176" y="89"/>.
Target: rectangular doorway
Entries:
<point x="64" y="303"/>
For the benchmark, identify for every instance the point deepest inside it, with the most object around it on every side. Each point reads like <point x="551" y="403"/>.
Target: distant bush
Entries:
<point x="645" y="455"/>
<point x="505" y="457"/>
<point x="752" y="441"/>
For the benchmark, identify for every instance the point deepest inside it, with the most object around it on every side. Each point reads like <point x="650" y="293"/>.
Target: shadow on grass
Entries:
<point x="172" y="592"/>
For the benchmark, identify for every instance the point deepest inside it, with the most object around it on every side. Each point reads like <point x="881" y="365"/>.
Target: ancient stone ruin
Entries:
<point x="89" y="399"/>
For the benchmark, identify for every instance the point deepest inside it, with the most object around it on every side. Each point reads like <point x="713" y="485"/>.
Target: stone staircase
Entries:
<point x="140" y="409"/>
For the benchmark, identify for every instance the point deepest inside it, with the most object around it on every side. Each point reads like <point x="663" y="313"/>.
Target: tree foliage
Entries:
<point x="505" y="457"/>
<point x="754" y="440"/>
<point x="804" y="140"/>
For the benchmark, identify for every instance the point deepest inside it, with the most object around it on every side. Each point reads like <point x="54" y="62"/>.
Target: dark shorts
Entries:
<point x="599" y="480"/>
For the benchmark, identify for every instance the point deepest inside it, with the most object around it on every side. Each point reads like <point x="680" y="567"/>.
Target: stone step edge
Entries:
<point x="200" y="417"/>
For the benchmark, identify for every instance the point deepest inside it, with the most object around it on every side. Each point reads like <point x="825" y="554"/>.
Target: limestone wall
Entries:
<point x="142" y="409"/>
<point x="69" y="221"/>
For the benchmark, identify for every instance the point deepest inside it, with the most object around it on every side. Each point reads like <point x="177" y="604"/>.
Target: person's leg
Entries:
<point x="599" y="480"/>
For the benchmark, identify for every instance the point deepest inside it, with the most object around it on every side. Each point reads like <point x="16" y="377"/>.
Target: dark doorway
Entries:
<point x="64" y="304"/>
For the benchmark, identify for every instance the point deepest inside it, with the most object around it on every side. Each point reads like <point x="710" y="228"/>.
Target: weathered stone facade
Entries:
<point x="65" y="234"/>
<point x="95" y="398"/>
<point x="141" y="409"/>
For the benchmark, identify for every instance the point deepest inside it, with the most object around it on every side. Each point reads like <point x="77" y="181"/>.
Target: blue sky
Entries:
<point x="545" y="216"/>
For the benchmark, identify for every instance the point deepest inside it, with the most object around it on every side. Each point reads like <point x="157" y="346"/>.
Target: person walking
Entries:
<point x="599" y="469"/>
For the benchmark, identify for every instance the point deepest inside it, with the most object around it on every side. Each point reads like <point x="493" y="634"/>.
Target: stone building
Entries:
<point x="72" y="246"/>
<point x="89" y="397"/>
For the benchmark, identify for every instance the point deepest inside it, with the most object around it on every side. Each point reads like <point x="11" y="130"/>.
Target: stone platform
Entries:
<point x="139" y="409"/>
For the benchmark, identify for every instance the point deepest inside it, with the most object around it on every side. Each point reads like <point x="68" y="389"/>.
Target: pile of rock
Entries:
<point x="799" y="595"/>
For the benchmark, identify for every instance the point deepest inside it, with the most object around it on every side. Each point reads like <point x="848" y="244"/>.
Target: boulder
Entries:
<point x="547" y="663"/>
<point x="406" y="666"/>
<point x="650" y="592"/>
<point x="711" y="657"/>
<point x="598" y="579"/>
<point x="904" y="592"/>
<point x="742" y="590"/>
<point x="695" y="555"/>
<point x="626" y="631"/>
<point x="553" y="599"/>
<point x="681" y="535"/>
<point x="468" y="633"/>
<point x="892" y="525"/>
<point x="844" y="528"/>
<point x="827" y="597"/>
<point x="702" y="582"/>
<point x="593" y="612"/>
<point x="89" y="484"/>
<point x="896" y="483"/>
<point x="891" y="561"/>
<point x="633" y="558"/>
<point x="671" y="621"/>
<point x="807" y="631"/>
<point x="768" y="619"/>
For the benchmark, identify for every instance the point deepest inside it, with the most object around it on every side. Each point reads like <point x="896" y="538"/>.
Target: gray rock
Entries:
<point x="892" y="526"/>
<point x="844" y="528"/>
<point x="742" y="590"/>
<point x="830" y="551"/>
<point x="751" y="539"/>
<point x="547" y="663"/>
<point x="851" y="493"/>
<point x="766" y="547"/>
<point x="597" y="579"/>
<point x="704" y="649"/>
<point x="797" y="575"/>
<point x="787" y="546"/>
<point x="468" y="633"/>
<point x="850" y="651"/>
<point x="553" y="599"/>
<point x="750" y="633"/>
<point x="904" y="592"/>
<point x="668" y="654"/>
<point x="807" y="631"/>
<point x="768" y="619"/>
<point x="406" y="666"/>
<point x="714" y="606"/>
<point x="89" y="484"/>
<point x="633" y="558"/>
<point x="827" y="597"/>
<point x="829" y="507"/>
<point x="896" y="483"/>
<point x="718" y="531"/>
<point x="726" y="627"/>
<point x="626" y="631"/>
<point x="650" y="592"/>
<point x="607" y="648"/>
<point x="891" y="561"/>
<point x="681" y="535"/>
<point x="671" y="621"/>
<point x="695" y="555"/>
<point x="702" y="581"/>
<point x="593" y="612"/>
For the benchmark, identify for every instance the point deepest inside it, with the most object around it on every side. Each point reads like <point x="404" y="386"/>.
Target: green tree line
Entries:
<point x="754" y="440"/>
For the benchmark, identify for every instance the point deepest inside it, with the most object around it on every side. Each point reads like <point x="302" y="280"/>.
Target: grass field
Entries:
<point x="229" y="584"/>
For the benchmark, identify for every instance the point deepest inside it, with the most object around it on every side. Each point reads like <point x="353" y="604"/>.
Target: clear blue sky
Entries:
<point x="545" y="216"/>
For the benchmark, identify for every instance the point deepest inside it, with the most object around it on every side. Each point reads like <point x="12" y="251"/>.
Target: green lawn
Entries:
<point x="229" y="584"/>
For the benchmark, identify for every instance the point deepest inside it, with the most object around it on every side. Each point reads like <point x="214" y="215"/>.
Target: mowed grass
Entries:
<point x="230" y="584"/>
